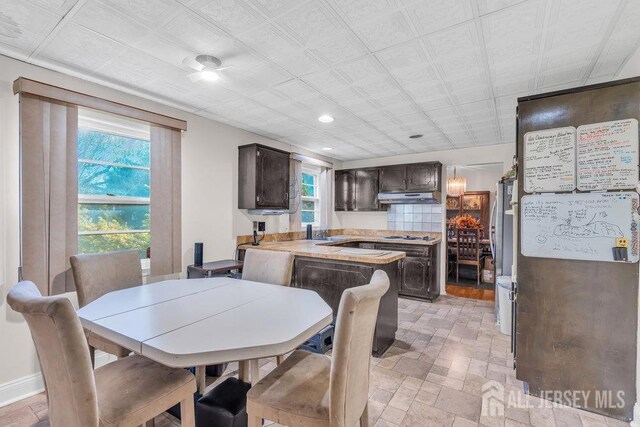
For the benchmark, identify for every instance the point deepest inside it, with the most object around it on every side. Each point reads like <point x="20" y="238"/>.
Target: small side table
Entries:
<point x="215" y="268"/>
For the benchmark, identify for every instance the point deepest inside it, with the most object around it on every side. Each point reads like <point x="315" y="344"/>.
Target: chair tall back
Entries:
<point x="98" y="274"/>
<point x="63" y="353"/>
<point x="351" y="357"/>
<point x="264" y="266"/>
<point x="468" y="240"/>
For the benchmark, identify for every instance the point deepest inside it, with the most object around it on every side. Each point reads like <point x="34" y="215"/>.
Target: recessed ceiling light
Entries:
<point x="209" y="75"/>
<point x="418" y="135"/>
<point x="327" y="148"/>
<point x="325" y="118"/>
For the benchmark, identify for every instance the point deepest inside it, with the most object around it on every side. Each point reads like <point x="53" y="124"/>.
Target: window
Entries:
<point x="310" y="211"/>
<point x="113" y="184"/>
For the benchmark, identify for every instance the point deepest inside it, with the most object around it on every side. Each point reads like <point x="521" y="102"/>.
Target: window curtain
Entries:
<point x="295" y="198"/>
<point x="49" y="192"/>
<point x="166" y="243"/>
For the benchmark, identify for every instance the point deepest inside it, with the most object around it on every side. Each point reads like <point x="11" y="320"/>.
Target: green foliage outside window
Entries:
<point x="116" y="169"/>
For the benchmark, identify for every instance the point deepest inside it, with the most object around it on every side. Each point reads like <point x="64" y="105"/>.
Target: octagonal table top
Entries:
<point x="184" y="323"/>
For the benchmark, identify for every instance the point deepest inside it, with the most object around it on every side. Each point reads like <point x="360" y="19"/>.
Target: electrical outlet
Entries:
<point x="622" y="242"/>
<point x="262" y="226"/>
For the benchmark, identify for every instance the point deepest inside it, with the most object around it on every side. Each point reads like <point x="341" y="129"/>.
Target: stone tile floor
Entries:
<point x="432" y="376"/>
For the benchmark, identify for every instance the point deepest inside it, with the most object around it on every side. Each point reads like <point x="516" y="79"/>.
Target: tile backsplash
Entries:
<point x="415" y="217"/>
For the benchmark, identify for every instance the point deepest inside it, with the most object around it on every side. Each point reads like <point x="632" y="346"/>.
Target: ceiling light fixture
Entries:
<point x="456" y="186"/>
<point x="209" y="75"/>
<point x="325" y="118"/>
<point x="327" y="148"/>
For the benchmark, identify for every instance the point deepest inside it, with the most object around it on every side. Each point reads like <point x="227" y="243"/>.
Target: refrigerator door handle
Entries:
<point x="492" y="229"/>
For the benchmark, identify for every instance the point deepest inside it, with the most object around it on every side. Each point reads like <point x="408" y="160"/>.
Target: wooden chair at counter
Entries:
<point x="99" y="274"/>
<point x="272" y="267"/>
<point x="126" y="392"/>
<point x="468" y="250"/>
<point x="314" y="390"/>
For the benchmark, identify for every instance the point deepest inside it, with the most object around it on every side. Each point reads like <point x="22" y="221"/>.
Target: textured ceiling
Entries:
<point x="385" y="69"/>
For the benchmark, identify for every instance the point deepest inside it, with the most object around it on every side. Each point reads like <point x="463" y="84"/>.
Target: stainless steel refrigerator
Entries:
<point x="577" y="319"/>
<point x="502" y="226"/>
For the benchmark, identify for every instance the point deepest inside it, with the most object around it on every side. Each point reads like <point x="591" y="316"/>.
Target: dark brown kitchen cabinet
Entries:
<point x="418" y="274"/>
<point x="367" y="190"/>
<point x="356" y="190"/>
<point x="263" y="177"/>
<point x="393" y="178"/>
<point x="423" y="177"/>
<point x="345" y="189"/>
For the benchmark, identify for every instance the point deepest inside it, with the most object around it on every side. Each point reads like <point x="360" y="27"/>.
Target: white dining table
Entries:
<point x="198" y="322"/>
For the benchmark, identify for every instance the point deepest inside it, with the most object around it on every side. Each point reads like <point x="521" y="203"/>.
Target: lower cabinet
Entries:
<point x="329" y="278"/>
<point x="418" y="270"/>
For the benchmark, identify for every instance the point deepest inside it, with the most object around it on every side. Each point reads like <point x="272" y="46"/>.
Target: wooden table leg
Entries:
<point x="255" y="371"/>
<point x="243" y="370"/>
<point x="201" y="378"/>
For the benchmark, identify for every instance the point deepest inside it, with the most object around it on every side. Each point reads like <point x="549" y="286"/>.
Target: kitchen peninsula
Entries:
<point x="348" y="258"/>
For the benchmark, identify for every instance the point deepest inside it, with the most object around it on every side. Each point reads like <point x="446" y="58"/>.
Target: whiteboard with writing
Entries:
<point x="580" y="226"/>
<point x="608" y="155"/>
<point x="550" y="160"/>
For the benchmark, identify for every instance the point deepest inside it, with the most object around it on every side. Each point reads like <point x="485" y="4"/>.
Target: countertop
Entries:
<point x="327" y="248"/>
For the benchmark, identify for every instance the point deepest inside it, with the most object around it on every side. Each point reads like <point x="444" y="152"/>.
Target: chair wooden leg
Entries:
<point x="243" y="370"/>
<point x="187" y="413"/>
<point x="254" y="421"/>
<point x="201" y="378"/>
<point x="364" y="418"/>
<point x="150" y="423"/>
<point x="280" y="359"/>
<point x="457" y="272"/>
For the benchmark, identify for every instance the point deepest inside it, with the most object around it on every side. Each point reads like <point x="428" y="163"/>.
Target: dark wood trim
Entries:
<point x="579" y="89"/>
<point x="268" y="147"/>
<point x="45" y="90"/>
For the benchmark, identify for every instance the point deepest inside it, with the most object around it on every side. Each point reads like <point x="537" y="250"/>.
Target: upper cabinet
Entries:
<point x="367" y="190"/>
<point x="357" y="189"/>
<point x="263" y="177"/>
<point x="423" y="177"/>
<point x="345" y="189"/>
<point x="393" y="178"/>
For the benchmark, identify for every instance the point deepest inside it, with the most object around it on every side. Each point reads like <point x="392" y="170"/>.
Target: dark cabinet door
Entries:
<point x="272" y="179"/>
<point x="345" y="182"/>
<point x="423" y="177"/>
<point x="415" y="277"/>
<point x="367" y="190"/>
<point x="393" y="178"/>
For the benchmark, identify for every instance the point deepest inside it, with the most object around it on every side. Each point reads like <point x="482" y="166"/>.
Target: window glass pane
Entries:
<point x="308" y="179"/>
<point x="308" y="190"/>
<point x="112" y="180"/>
<point x="90" y="244"/>
<point x="114" y="217"/>
<point x="308" y="217"/>
<point x="93" y="145"/>
<point x="308" y="205"/>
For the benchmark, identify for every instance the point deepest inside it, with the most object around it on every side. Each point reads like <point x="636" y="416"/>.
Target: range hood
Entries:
<point x="409" y="198"/>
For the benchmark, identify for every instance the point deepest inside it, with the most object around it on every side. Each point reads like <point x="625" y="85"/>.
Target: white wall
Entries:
<point x="209" y="202"/>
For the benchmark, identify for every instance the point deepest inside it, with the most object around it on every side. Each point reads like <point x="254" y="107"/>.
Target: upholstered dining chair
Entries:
<point x="468" y="250"/>
<point x="127" y="392"/>
<point x="272" y="267"/>
<point x="265" y="266"/>
<point x="99" y="274"/>
<point x="313" y="390"/>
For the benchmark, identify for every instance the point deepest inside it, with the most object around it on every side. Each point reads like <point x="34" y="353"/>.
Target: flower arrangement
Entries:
<point x="465" y="221"/>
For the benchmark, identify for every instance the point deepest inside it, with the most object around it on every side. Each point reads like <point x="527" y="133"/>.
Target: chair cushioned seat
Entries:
<point x="103" y="344"/>
<point x="136" y="385"/>
<point x="299" y="386"/>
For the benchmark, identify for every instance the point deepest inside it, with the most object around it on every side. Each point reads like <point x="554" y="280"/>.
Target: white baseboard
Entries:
<point x="30" y="385"/>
